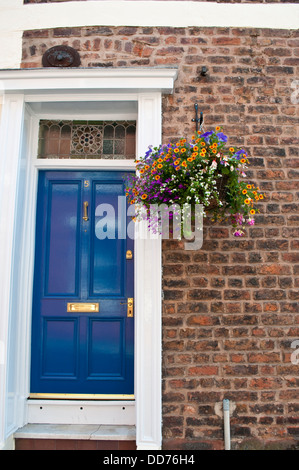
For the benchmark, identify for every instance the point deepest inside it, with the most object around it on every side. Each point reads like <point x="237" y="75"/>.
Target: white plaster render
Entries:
<point x="17" y="17"/>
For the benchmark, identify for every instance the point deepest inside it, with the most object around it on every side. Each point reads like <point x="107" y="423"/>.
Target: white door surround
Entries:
<point x="30" y="95"/>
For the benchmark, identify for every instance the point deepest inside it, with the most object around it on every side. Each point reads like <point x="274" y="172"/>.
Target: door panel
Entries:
<point x="108" y="267"/>
<point x="60" y="348"/>
<point x="87" y="352"/>
<point x="62" y="239"/>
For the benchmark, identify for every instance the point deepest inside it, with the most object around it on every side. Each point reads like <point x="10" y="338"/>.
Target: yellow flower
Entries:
<point x="243" y="160"/>
<point x="183" y="150"/>
<point x="252" y="211"/>
<point x="190" y="159"/>
<point x="160" y="166"/>
<point x="146" y="167"/>
<point x="184" y="164"/>
<point x="261" y="196"/>
<point x="231" y="149"/>
<point x="177" y="162"/>
<point x="176" y="150"/>
<point x="195" y="148"/>
<point x="247" y="201"/>
<point x="218" y="128"/>
<point x="194" y="154"/>
<point x="202" y="143"/>
<point x="142" y="170"/>
<point x="204" y="150"/>
<point x="214" y="145"/>
<point x="160" y="160"/>
<point x="244" y="191"/>
<point x="157" y="177"/>
<point x="248" y="186"/>
<point x="178" y="167"/>
<point x="144" y="196"/>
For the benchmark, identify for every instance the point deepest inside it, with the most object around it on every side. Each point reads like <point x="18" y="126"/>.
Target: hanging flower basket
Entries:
<point x="202" y="171"/>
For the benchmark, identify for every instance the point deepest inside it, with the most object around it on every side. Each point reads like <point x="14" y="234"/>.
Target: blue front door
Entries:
<point x="82" y="330"/>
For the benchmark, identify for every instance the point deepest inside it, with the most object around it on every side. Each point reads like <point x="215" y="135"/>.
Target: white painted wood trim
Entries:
<point x="120" y="80"/>
<point x="10" y="156"/>
<point x="148" y="277"/>
<point x="81" y="412"/>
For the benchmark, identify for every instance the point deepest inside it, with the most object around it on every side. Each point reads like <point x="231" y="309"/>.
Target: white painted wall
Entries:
<point x="15" y="17"/>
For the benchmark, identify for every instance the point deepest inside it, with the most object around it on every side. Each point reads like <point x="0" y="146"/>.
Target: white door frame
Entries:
<point x="28" y="96"/>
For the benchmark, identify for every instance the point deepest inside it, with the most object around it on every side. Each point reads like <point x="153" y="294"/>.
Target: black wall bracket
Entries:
<point x="198" y="120"/>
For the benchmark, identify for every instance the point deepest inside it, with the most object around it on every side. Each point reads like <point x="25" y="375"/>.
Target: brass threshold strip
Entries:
<point x="78" y="396"/>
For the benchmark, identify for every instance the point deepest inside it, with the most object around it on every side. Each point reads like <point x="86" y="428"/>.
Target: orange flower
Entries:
<point x="218" y="128"/>
<point x="157" y="177"/>
<point x="146" y="167"/>
<point x="249" y="187"/>
<point x="142" y="171"/>
<point x="190" y="159"/>
<point x="176" y="150"/>
<point x="231" y="149"/>
<point x="202" y="143"/>
<point x="160" y="166"/>
<point x="183" y="150"/>
<point x="243" y="160"/>
<point x="144" y="196"/>
<point x="184" y="164"/>
<point x="177" y="162"/>
<point x="195" y="148"/>
<point x="194" y="154"/>
<point x="178" y="167"/>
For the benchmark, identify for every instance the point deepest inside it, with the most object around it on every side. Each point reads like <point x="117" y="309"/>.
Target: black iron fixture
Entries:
<point x="198" y="120"/>
<point x="204" y="71"/>
<point x="61" y="56"/>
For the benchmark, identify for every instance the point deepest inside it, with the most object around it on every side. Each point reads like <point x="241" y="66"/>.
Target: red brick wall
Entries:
<point x="230" y="310"/>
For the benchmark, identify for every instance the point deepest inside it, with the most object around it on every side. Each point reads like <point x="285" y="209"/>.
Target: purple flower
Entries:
<point x="239" y="154"/>
<point x="207" y="135"/>
<point x="221" y="137"/>
<point x="250" y="221"/>
<point x="238" y="233"/>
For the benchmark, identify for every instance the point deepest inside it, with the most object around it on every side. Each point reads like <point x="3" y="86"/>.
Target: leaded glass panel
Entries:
<point x="87" y="139"/>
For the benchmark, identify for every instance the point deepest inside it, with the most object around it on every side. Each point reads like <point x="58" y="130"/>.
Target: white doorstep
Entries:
<point x="76" y="431"/>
